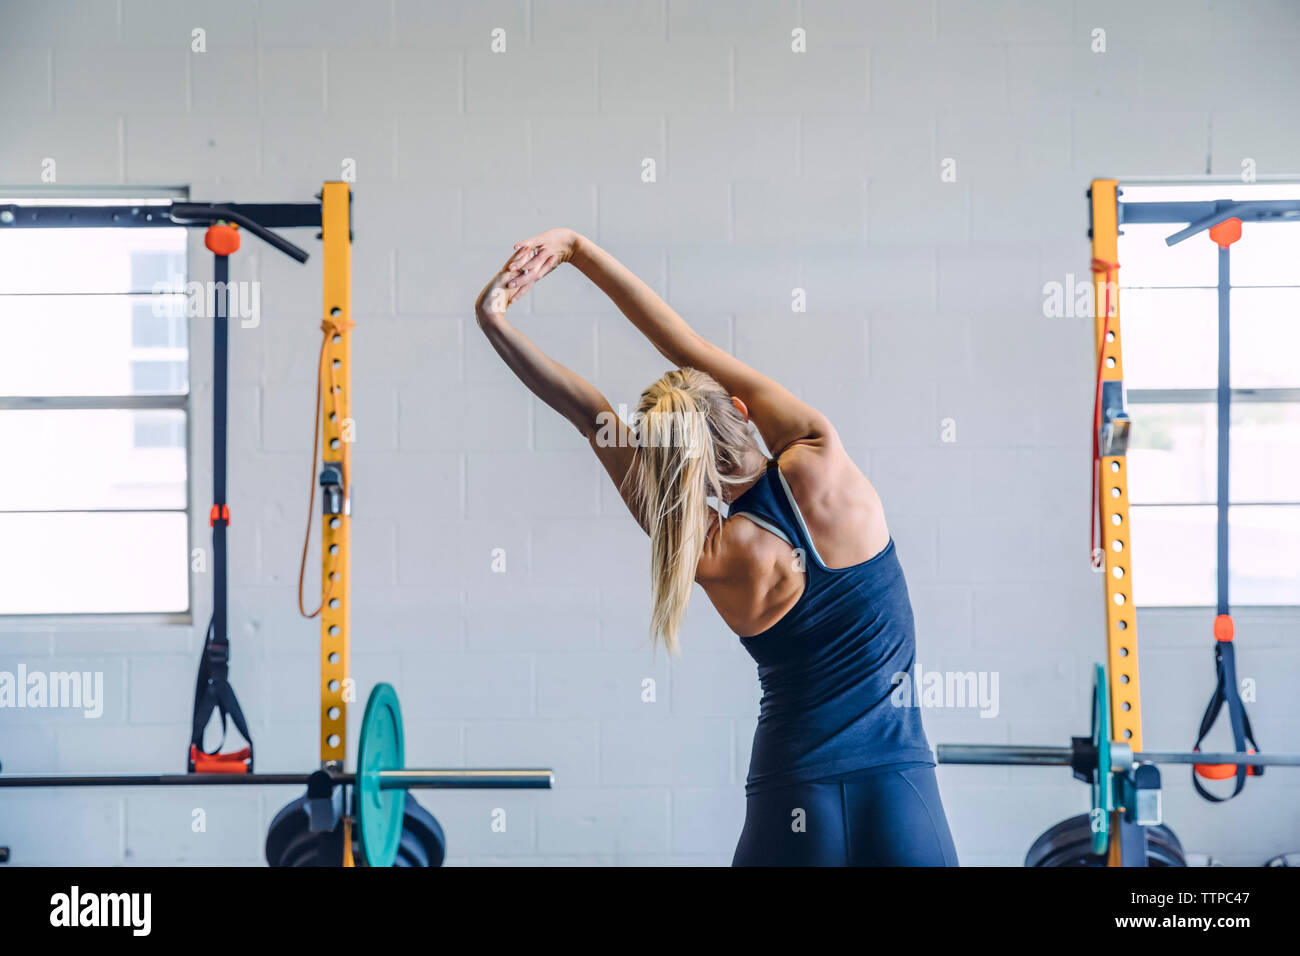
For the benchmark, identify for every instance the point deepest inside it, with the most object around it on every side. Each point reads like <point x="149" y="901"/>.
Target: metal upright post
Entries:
<point x="1112" y="490"/>
<point x="336" y="474"/>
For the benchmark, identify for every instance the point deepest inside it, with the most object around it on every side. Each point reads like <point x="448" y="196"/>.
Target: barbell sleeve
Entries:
<point x="157" y="780"/>
<point x="467" y="779"/>
<point x="1187" y="757"/>
<point x="1003" y="755"/>
<point x="1006" y="755"/>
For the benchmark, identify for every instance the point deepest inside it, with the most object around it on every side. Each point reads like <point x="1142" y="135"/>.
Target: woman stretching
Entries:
<point x="791" y="549"/>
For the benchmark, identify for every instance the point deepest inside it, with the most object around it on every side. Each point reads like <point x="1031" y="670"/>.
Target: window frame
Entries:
<point x="169" y="402"/>
<point x="1183" y="212"/>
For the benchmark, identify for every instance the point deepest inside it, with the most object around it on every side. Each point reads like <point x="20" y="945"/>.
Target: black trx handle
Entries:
<point x="1226" y="692"/>
<point x="213" y="692"/>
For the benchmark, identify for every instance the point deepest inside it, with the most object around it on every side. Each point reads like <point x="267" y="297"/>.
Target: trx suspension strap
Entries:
<point x="1225" y="666"/>
<point x="212" y="690"/>
<point x="1225" y="692"/>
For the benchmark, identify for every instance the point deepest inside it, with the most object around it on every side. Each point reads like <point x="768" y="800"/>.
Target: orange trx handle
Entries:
<point x="236" y="761"/>
<point x="222" y="239"/>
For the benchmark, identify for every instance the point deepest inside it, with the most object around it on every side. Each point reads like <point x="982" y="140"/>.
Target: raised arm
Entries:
<point x="782" y="418"/>
<point x="559" y="387"/>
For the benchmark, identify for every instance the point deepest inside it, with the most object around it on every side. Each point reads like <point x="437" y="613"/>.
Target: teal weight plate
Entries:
<point x="1103" y="788"/>
<point x="379" y="812"/>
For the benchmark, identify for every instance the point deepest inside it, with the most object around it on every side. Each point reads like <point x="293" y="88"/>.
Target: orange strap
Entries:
<point x="1094" y="504"/>
<point x="330" y="328"/>
<point x="233" y="762"/>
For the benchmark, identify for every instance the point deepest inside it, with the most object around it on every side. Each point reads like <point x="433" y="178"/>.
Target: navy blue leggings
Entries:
<point x="878" y="817"/>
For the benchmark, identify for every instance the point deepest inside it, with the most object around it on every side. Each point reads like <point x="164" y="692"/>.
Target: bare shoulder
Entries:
<point x="749" y="575"/>
<point x="730" y="549"/>
<point x="821" y="464"/>
<point x="839" y="504"/>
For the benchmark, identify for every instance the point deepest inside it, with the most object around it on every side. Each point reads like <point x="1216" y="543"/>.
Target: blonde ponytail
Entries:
<point x="690" y="442"/>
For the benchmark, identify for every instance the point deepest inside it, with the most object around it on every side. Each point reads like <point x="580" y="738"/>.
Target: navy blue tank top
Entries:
<point x="829" y="667"/>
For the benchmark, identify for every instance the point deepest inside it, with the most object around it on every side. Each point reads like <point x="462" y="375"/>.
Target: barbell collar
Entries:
<point x="1121" y="757"/>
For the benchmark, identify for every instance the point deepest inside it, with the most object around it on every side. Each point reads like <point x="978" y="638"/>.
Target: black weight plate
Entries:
<point x="1069" y="843"/>
<point x="315" y="849"/>
<point x="289" y="842"/>
<point x="288" y="822"/>
<point x="411" y="851"/>
<point x="1162" y="836"/>
<point x="419" y="821"/>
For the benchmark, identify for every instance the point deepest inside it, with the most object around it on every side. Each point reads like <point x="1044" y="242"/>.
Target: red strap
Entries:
<point x="1094" y="503"/>
<point x="1223" y="628"/>
<point x="236" y="762"/>
<point x="219" y="513"/>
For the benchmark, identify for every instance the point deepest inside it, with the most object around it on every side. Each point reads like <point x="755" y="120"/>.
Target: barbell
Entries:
<point x="379" y="783"/>
<point x="1097" y="758"/>
<point x="404" y="779"/>
<point x="1013" y="756"/>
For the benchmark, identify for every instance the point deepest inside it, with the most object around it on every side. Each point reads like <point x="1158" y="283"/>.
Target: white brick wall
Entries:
<point x="774" y="171"/>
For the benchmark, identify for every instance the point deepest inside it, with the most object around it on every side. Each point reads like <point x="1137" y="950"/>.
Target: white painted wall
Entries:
<point x="775" y="171"/>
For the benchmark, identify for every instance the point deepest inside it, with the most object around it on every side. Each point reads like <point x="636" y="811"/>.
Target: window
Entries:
<point x="94" y="408"/>
<point x="1170" y="310"/>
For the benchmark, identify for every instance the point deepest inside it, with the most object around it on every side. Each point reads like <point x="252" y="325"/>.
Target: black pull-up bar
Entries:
<point x="188" y="213"/>
<point x="257" y="218"/>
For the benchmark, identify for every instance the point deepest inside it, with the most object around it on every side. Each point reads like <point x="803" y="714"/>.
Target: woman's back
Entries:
<point x="830" y="663"/>
<point x="753" y="577"/>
